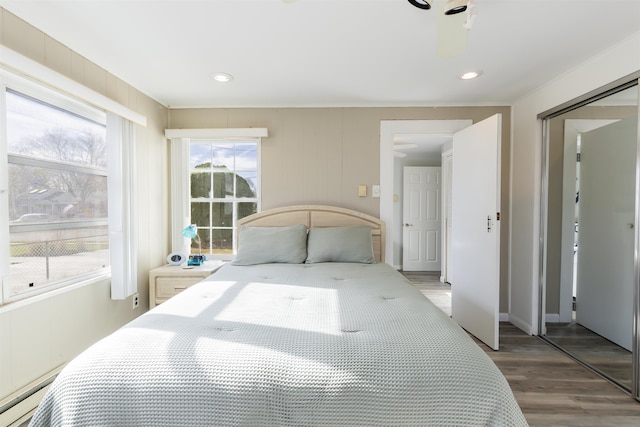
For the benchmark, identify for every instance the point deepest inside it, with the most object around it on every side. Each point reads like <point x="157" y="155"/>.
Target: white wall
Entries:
<point x="617" y="62"/>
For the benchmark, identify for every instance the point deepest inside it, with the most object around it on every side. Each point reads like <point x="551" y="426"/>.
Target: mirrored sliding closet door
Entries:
<point x="589" y="277"/>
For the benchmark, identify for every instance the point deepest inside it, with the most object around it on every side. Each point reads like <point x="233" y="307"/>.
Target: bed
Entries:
<point x="331" y="338"/>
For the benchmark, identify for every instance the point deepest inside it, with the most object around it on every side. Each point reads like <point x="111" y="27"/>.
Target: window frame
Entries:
<point x="234" y="200"/>
<point x="92" y="106"/>
<point x="45" y="95"/>
<point x="180" y="140"/>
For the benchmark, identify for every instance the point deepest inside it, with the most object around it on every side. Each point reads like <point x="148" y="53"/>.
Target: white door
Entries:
<point x="421" y="219"/>
<point x="475" y="275"/>
<point x="604" y="289"/>
<point x="570" y="186"/>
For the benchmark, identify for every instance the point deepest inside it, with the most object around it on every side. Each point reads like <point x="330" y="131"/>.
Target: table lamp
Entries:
<point x="191" y="232"/>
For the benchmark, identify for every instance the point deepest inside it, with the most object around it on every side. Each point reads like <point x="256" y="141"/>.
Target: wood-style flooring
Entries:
<point x="551" y="388"/>
<point x="609" y="358"/>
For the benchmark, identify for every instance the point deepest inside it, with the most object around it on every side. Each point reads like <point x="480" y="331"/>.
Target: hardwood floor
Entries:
<point x="550" y="387"/>
<point x="593" y="349"/>
<point x="429" y="284"/>
<point x="554" y="390"/>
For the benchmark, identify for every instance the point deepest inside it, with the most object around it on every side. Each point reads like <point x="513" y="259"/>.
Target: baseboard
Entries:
<point x="22" y="411"/>
<point x="20" y="405"/>
<point x="521" y="324"/>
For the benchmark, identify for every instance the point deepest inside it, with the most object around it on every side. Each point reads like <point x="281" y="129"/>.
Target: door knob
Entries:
<point x="408" y="225"/>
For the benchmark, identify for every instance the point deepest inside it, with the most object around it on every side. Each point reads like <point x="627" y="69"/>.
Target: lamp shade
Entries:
<point x="190" y="231"/>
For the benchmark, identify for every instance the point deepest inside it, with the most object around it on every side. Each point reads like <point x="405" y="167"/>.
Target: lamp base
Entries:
<point x="196" y="260"/>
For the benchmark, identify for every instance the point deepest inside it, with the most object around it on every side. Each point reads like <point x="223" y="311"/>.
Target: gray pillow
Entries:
<point x="263" y="245"/>
<point x="340" y="244"/>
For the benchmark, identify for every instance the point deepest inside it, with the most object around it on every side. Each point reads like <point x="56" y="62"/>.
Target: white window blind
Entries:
<point x="122" y="212"/>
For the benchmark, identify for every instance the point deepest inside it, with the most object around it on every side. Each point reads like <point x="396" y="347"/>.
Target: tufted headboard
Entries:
<point x="320" y="216"/>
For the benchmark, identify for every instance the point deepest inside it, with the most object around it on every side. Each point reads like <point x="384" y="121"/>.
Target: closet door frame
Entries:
<point x="630" y="81"/>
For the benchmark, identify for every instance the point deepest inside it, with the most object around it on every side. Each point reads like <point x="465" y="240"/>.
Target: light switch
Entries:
<point x="375" y="191"/>
<point x="362" y="191"/>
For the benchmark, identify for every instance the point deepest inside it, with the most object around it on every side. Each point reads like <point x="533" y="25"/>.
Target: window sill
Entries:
<point x="14" y="304"/>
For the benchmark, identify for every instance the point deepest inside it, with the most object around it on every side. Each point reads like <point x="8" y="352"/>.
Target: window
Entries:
<point x="223" y="189"/>
<point x="57" y="192"/>
<point x="66" y="190"/>
<point x="215" y="182"/>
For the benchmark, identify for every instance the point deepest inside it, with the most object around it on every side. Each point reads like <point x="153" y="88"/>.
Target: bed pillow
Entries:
<point x="340" y="244"/>
<point x="263" y="245"/>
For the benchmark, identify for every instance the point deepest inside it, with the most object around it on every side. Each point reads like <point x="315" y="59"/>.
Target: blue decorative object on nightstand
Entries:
<point x="191" y="232"/>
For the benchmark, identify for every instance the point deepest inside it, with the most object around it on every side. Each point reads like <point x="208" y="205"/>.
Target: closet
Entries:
<point x="589" y="287"/>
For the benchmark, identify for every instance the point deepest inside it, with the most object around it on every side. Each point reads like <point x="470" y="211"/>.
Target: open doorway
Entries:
<point x="420" y="132"/>
<point x="475" y="292"/>
<point x="407" y="144"/>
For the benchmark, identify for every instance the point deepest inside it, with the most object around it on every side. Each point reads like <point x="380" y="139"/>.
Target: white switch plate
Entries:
<point x="375" y="191"/>
<point x="362" y="191"/>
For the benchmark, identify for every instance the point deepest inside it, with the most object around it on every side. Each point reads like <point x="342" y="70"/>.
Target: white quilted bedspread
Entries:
<point x="286" y="345"/>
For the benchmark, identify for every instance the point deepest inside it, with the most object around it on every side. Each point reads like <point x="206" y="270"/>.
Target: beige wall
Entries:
<point x="321" y="155"/>
<point x="40" y="334"/>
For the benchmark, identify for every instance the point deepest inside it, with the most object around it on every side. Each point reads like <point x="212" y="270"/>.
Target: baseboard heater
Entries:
<point x="25" y="400"/>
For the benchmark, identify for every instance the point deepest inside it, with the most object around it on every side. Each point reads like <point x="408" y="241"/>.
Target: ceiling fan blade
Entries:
<point x="399" y="154"/>
<point x="452" y="34"/>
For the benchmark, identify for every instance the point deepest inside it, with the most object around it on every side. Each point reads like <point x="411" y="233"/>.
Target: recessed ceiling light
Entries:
<point x="470" y="75"/>
<point x="222" y="77"/>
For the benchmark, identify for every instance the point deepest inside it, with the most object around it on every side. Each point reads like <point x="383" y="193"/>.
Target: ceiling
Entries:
<point x="329" y="53"/>
<point x="425" y="144"/>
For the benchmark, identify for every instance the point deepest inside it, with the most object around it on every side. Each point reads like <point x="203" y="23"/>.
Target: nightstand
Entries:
<point x="170" y="280"/>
